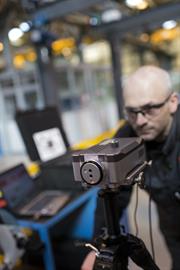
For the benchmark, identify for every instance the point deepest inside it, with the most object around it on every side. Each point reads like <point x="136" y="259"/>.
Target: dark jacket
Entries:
<point x="162" y="178"/>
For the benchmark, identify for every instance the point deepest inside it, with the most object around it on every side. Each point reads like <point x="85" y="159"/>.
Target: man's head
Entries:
<point x="150" y="102"/>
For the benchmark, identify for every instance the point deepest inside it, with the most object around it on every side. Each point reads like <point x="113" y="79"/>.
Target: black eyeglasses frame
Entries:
<point x="143" y="110"/>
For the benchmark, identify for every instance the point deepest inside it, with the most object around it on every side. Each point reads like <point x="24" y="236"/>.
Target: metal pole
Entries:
<point x="48" y="81"/>
<point x="117" y="73"/>
<point x="46" y="75"/>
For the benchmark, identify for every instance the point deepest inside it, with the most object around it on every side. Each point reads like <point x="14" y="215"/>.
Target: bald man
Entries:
<point x="152" y="112"/>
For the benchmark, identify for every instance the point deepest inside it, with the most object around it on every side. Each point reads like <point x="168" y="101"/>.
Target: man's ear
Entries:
<point x="174" y="101"/>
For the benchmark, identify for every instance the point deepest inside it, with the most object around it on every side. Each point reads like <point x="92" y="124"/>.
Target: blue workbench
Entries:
<point x="81" y="229"/>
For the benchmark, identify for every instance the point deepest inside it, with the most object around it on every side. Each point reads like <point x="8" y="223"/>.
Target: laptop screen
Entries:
<point x="16" y="185"/>
<point x="43" y="133"/>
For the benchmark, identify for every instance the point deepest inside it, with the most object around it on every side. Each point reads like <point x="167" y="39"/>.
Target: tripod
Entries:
<point x="114" y="248"/>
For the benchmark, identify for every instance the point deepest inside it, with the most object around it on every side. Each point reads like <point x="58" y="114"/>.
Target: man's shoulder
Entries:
<point x="125" y="131"/>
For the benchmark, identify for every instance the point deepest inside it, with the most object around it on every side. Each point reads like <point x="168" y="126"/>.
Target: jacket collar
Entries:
<point x="174" y="133"/>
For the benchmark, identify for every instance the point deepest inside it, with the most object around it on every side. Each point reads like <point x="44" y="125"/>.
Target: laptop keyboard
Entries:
<point x="41" y="203"/>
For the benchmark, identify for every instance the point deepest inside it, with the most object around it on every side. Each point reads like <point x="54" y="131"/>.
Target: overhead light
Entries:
<point x="19" y="61"/>
<point x="15" y="34"/>
<point x="25" y="26"/>
<point x="138" y="4"/>
<point x="36" y="36"/>
<point x="164" y="35"/>
<point x="169" y="24"/>
<point x="111" y="15"/>
<point x="1" y="46"/>
<point x="31" y="56"/>
<point x="144" y="37"/>
<point x="93" y="21"/>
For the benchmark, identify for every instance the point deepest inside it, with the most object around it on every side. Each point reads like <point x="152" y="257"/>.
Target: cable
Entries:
<point x="150" y="224"/>
<point x="150" y="220"/>
<point x="135" y="212"/>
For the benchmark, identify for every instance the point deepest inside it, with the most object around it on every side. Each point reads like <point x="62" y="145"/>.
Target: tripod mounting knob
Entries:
<point x="93" y="248"/>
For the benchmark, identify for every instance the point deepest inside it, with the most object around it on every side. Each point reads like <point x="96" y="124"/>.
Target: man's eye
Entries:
<point x="130" y="111"/>
<point x="149" y="110"/>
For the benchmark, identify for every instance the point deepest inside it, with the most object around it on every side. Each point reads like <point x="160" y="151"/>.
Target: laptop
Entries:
<point x="46" y="143"/>
<point x="24" y="198"/>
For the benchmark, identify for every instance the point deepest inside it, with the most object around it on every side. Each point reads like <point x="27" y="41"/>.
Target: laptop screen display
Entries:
<point x="16" y="185"/>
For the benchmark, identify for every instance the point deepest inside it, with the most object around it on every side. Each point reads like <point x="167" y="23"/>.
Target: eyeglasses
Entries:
<point x="148" y="110"/>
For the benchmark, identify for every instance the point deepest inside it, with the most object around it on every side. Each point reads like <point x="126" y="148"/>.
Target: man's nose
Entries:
<point x="141" y="119"/>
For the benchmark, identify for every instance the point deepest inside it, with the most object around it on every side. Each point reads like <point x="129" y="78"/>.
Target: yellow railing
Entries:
<point x="105" y="135"/>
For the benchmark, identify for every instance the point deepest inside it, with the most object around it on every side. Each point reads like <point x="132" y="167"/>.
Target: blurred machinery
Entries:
<point x="12" y="246"/>
<point x="15" y="242"/>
